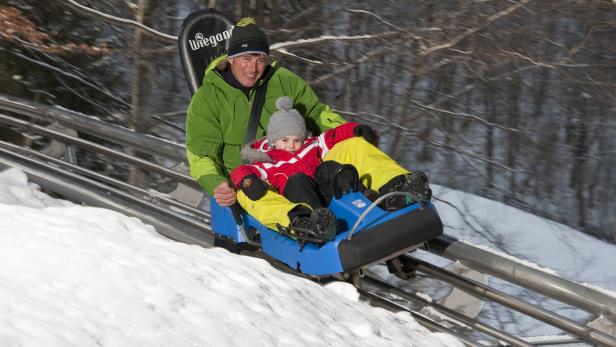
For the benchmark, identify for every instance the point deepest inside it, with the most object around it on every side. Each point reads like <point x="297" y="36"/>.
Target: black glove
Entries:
<point x="367" y="133"/>
<point x="253" y="187"/>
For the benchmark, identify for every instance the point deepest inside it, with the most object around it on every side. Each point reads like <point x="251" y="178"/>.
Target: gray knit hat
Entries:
<point x="247" y="38"/>
<point x="285" y="122"/>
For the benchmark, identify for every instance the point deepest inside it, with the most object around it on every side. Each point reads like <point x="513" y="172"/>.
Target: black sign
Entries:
<point x="204" y="36"/>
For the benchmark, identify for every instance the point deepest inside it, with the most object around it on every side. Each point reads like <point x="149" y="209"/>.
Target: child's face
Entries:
<point x="289" y="143"/>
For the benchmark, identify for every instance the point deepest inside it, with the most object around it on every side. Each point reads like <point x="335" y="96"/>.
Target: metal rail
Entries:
<point x="421" y="319"/>
<point x="555" y="287"/>
<point x="472" y="323"/>
<point x="148" y="195"/>
<point x="475" y="288"/>
<point x="94" y="126"/>
<point x="142" y="163"/>
<point x="173" y="225"/>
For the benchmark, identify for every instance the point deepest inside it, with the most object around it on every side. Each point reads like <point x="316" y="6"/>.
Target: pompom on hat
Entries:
<point x="247" y="38"/>
<point x="285" y="122"/>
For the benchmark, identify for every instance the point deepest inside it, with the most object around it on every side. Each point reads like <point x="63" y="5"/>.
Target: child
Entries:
<point x="289" y="161"/>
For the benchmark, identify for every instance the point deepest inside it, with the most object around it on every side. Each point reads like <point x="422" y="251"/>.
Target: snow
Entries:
<point x="424" y="296"/>
<point x="72" y="275"/>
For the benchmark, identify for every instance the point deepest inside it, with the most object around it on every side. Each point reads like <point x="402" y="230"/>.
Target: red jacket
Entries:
<point x="285" y="164"/>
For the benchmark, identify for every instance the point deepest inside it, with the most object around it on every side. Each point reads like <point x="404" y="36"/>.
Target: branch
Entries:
<point x="325" y="38"/>
<point x="377" y="17"/>
<point x="361" y="60"/>
<point x="471" y="154"/>
<point x="472" y="86"/>
<point x="471" y="31"/>
<point x="71" y="75"/>
<point x="370" y="117"/>
<point x="460" y="114"/>
<point x="310" y="61"/>
<point x="81" y="96"/>
<point x="529" y="59"/>
<point x="281" y="47"/>
<point x="581" y="44"/>
<point x="89" y="11"/>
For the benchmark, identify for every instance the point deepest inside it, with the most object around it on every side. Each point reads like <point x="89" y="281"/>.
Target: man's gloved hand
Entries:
<point x="367" y="133"/>
<point x="253" y="187"/>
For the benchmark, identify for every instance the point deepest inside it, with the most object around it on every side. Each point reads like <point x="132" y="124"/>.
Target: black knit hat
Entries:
<point x="246" y="37"/>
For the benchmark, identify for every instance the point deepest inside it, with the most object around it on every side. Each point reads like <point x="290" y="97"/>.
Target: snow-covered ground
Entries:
<point x="80" y="276"/>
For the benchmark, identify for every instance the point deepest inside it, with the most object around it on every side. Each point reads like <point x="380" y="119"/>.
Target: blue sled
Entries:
<point x="380" y="235"/>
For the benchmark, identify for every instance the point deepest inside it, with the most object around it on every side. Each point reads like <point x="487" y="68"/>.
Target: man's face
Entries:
<point x="289" y="143"/>
<point x="248" y="68"/>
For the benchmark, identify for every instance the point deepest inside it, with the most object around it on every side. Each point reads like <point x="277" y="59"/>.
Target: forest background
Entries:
<point x="510" y="100"/>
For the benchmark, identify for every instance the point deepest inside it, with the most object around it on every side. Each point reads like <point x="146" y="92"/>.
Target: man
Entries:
<point x="219" y="112"/>
<point x="218" y="118"/>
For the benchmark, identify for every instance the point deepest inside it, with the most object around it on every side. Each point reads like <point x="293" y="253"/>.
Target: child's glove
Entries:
<point x="253" y="187"/>
<point x="367" y="133"/>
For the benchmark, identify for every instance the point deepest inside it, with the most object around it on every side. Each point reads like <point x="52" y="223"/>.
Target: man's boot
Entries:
<point x="415" y="183"/>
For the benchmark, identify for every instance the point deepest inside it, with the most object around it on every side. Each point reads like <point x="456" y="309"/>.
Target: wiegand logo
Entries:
<point x="201" y="40"/>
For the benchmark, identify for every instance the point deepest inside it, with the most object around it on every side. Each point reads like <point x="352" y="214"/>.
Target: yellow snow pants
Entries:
<point x="375" y="168"/>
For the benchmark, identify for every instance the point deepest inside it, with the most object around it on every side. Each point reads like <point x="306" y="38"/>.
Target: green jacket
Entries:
<point x="218" y="117"/>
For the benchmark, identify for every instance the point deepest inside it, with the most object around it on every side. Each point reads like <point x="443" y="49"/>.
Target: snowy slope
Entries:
<point x="80" y="276"/>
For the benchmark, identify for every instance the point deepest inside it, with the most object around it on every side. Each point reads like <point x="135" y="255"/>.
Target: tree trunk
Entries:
<point x="513" y="150"/>
<point x="140" y="86"/>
